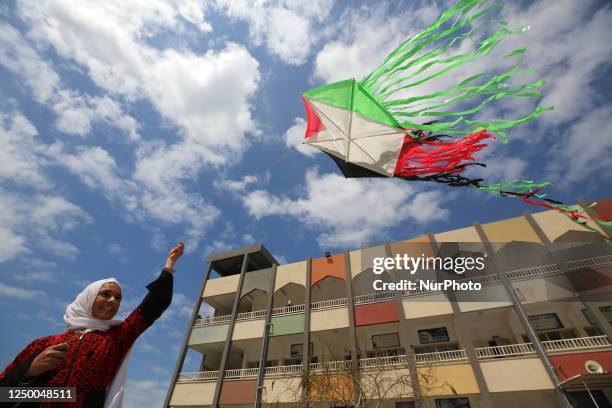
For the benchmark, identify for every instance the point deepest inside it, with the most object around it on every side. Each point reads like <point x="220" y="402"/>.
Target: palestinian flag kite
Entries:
<point x="382" y="126"/>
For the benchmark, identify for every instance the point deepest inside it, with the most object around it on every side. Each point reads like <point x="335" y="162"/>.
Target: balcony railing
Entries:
<point x="590" y="262"/>
<point x="482" y="353"/>
<point x="198" y="377"/>
<point x="284" y="310"/>
<point x="242" y="373"/>
<point x="328" y="304"/>
<point x="510" y="350"/>
<point x="373" y="297"/>
<point x="524" y="273"/>
<point x="206" y="321"/>
<point x="383" y="361"/>
<point x="257" y="314"/>
<point x="551" y="347"/>
<point x="325" y="366"/>
<point x="283" y="370"/>
<point x="441" y="356"/>
<point x="579" y="343"/>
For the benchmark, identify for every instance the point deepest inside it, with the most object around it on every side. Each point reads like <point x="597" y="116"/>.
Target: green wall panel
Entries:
<point x="282" y="325"/>
<point x="208" y="334"/>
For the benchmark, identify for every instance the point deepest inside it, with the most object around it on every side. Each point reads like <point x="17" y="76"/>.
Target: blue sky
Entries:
<point x="128" y="126"/>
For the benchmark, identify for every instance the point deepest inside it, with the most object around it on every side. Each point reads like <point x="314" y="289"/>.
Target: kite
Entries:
<point x="420" y="115"/>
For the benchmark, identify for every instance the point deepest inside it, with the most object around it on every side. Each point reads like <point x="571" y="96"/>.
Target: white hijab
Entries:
<point x="79" y="316"/>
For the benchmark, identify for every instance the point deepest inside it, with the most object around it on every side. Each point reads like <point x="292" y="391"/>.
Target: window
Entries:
<point x="548" y="321"/>
<point x="398" y="351"/>
<point x="553" y="335"/>
<point x="297" y="350"/>
<point x="453" y="403"/>
<point x="593" y="331"/>
<point x="606" y="310"/>
<point x="582" y="399"/>
<point x="255" y="364"/>
<point x="434" y="348"/>
<point x="382" y="341"/>
<point x="435" y="335"/>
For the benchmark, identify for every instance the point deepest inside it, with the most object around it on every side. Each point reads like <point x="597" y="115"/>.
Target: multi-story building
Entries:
<point x="316" y="333"/>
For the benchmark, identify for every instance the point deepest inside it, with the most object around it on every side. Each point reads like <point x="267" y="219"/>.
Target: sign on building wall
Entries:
<point x="435" y="335"/>
<point x="548" y="321"/>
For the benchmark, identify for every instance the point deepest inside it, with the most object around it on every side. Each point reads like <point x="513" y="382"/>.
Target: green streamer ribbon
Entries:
<point x="421" y="59"/>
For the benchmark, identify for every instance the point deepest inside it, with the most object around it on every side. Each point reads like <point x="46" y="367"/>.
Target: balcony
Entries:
<point x="516" y="275"/>
<point x="518" y="350"/>
<point x="551" y="347"/>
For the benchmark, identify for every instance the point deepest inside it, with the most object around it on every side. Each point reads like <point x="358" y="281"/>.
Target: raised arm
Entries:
<point x="153" y="305"/>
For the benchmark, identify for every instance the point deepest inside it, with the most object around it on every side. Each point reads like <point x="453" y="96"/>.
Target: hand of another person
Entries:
<point x="174" y="255"/>
<point x="48" y="359"/>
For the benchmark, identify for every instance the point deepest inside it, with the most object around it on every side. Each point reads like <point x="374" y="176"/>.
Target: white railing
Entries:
<point x="523" y="273"/>
<point x="451" y="355"/>
<point x="284" y="370"/>
<point x="198" y="377"/>
<point x="283" y="310"/>
<point x="328" y="304"/>
<point x="242" y="373"/>
<point x="257" y="314"/>
<point x="580" y="343"/>
<point x="509" y="350"/>
<point x="383" y="361"/>
<point x="205" y="321"/>
<point x="551" y="347"/>
<point x="484" y="279"/>
<point x="532" y="271"/>
<point x="330" y="365"/>
<point x="590" y="262"/>
<point x="373" y="297"/>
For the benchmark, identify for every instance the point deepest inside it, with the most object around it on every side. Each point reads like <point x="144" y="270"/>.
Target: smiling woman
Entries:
<point x="91" y="354"/>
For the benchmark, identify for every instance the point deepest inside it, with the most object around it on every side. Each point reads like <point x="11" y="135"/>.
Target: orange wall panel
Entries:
<point x="569" y="365"/>
<point x="323" y="267"/>
<point x="604" y="208"/>
<point x="375" y="313"/>
<point x="338" y="387"/>
<point x="238" y="392"/>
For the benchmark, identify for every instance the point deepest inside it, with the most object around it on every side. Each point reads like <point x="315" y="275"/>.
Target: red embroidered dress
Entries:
<point x="94" y="357"/>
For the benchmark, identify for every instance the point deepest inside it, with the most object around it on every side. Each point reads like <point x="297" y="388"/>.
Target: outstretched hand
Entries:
<point x="174" y="254"/>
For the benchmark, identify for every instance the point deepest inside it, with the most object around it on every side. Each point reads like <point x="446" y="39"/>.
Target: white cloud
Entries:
<point x="289" y="29"/>
<point x="206" y="96"/>
<point x="144" y="393"/>
<point x="166" y="201"/>
<point x="21" y="161"/>
<point x="40" y="276"/>
<point x="567" y="45"/>
<point x="12" y="244"/>
<point x="585" y="149"/>
<point x="236" y="186"/>
<point x="75" y="112"/>
<point x="366" y="35"/>
<point x="349" y="211"/>
<point x="40" y="220"/>
<point x="11" y="292"/>
<point x="294" y="138"/>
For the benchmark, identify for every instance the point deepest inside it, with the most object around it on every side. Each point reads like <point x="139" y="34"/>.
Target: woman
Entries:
<point x="90" y="354"/>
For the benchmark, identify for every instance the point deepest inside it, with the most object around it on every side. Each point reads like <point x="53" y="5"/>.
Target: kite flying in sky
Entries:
<point x="421" y="114"/>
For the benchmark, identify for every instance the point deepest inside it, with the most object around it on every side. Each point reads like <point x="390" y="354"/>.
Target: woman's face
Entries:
<point x="107" y="302"/>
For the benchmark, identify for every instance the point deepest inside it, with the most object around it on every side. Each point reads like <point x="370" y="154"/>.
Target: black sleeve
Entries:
<point x="17" y="375"/>
<point x="159" y="297"/>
